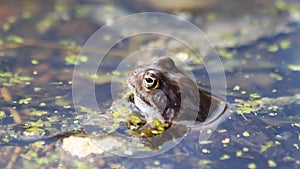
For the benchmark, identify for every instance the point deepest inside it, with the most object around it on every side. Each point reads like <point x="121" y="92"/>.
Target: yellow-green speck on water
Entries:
<point x="276" y="76"/>
<point x="239" y="153"/>
<point x="268" y="145"/>
<point x="272" y="163"/>
<point x="34" y="62"/>
<point x="15" y="39"/>
<point x="285" y="44"/>
<point x="204" y="163"/>
<point x="252" y="166"/>
<point x="25" y="100"/>
<point x="9" y="79"/>
<point x="2" y="114"/>
<point x="225" y="157"/>
<point x="255" y="95"/>
<point x="273" y="48"/>
<point x="246" y="134"/>
<point x="222" y="130"/>
<point x="294" y="67"/>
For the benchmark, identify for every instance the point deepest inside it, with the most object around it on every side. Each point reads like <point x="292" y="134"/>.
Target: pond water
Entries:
<point x="258" y="43"/>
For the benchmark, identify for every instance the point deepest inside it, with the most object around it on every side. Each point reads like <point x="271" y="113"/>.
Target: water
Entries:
<point x="40" y="42"/>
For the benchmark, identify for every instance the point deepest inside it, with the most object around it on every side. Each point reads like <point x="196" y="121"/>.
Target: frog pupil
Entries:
<point x="149" y="80"/>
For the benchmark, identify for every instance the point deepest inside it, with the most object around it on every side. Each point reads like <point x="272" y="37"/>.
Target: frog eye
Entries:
<point x="150" y="80"/>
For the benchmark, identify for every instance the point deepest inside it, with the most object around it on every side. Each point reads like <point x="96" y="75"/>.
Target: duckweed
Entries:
<point x="226" y="140"/>
<point x="34" y="62"/>
<point x="26" y="14"/>
<point x="243" y="92"/>
<point x="25" y="100"/>
<point x="6" y="140"/>
<point x="37" y="89"/>
<point x="69" y="44"/>
<point x="225" y="157"/>
<point x="61" y="7"/>
<point x="205" y="142"/>
<point x="285" y="44"/>
<point x="43" y="104"/>
<point x="204" y="163"/>
<point x="276" y="76"/>
<point x="246" y="134"/>
<point x="239" y="153"/>
<point x="225" y="54"/>
<point x="6" y="26"/>
<point x="46" y="23"/>
<point x="245" y="149"/>
<point x="222" y="131"/>
<point x="39" y="144"/>
<point x="255" y="95"/>
<point x="294" y="67"/>
<point x="267" y="145"/>
<point x="71" y="60"/>
<point x="82" y="10"/>
<point x="273" y="48"/>
<point x="36" y="130"/>
<point x="281" y="5"/>
<point x="156" y="162"/>
<point x="134" y="122"/>
<point x="63" y="102"/>
<point x="296" y="124"/>
<point x="2" y="115"/>
<point x="35" y="112"/>
<point x="15" y="39"/>
<point x="272" y="114"/>
<point x="272" y="163"/>
<point x="75" y="59"/>
<point x="88" y="110"/>
<point x="236" y="87"/>
<point x="248" y="107"/>
<point x="8" y="79"/>
<point x="252" y="166"/>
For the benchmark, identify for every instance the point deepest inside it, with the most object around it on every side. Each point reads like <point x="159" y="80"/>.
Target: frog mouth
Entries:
<point x="147" y="110"/>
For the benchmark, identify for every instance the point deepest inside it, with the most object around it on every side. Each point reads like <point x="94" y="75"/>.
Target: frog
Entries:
<point x="162" y="92"/>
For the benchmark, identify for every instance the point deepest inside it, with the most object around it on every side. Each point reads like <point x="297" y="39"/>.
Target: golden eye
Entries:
<point x="150" y="80"/>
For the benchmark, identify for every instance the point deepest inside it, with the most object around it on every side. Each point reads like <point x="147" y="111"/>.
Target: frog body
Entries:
<point x="162" y="91"/>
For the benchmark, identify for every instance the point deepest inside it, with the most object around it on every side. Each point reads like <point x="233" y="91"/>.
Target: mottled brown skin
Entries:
<point x="161" y="91"/>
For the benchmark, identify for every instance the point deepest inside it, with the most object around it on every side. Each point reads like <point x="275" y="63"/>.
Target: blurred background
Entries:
<point x="257" y="41"/>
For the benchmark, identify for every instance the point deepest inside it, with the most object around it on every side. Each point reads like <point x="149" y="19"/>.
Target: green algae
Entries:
<point x="9" y="79"/>
<point x="248" y="107"/>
